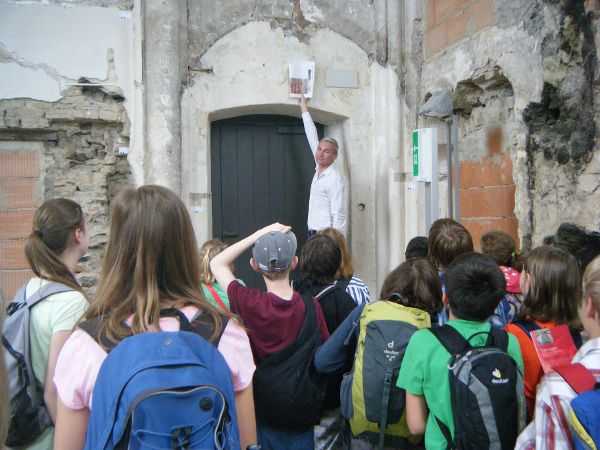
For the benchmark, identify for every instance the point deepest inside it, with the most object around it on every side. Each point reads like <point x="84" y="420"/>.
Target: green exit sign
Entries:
<point x="415" y="153"/>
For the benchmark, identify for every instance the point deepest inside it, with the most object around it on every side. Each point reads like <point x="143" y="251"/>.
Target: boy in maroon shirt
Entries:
<point x="273" y="318"/>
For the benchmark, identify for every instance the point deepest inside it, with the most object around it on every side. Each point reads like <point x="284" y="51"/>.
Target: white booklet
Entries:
<point x="302" y="78"/>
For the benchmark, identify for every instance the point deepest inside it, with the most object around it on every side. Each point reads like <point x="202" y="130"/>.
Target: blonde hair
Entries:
<point x="151" y="256"/>
<point x="591" y="282"/>
<point x="346" y="269"/>
<point x="208" y="251"/>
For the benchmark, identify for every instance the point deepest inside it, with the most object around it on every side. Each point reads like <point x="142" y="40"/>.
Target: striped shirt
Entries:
<point x="550" y="429"/>
<point x="358" y="290"/>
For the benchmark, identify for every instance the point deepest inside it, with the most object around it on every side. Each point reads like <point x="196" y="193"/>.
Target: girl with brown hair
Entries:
<point x="551" y="283"/>
<point x="345" y="278"/>
<point x="59" y="238"/>
<point x="151" y="263"/>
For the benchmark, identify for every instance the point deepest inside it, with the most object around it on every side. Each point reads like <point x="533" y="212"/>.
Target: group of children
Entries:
<point x="442" y="294"/>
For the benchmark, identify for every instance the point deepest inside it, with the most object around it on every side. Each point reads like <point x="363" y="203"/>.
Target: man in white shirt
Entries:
<point x="326" y="206"/>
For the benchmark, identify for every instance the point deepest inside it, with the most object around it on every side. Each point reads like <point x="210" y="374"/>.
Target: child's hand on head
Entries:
<point x="275" y="227"/>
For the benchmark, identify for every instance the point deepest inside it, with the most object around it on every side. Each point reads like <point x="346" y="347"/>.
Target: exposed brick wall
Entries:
<point x="19" y="196"/>
<point x="449" y="21"/>
<point x="487" y="196"/>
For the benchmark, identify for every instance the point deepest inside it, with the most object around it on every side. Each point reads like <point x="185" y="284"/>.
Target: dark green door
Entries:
<point x="261" y="170"/>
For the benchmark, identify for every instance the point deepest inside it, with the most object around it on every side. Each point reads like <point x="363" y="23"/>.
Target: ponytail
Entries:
<point x="54" y="223"/>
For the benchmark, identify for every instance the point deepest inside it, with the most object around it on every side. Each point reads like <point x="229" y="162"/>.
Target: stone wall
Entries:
<point x="541" y="118"/>
<point x="65" y="149"/>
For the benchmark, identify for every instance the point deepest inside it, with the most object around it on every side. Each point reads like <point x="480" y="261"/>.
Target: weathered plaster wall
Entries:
<point x="249" y="75"/>
<point x="68" y="99"/>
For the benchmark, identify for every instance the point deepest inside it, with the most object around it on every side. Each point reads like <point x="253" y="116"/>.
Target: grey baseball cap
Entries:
<point x="275" y="251"/>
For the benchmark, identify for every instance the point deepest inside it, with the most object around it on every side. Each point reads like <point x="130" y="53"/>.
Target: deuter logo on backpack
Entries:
<point x="486" y="391"/>
<point x="28" y="414"/>
<point x="389" y="352"/>
<point x="498" y="377"/>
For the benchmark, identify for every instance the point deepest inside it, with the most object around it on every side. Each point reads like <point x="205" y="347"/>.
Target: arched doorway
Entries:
<point x="261" y="170"/>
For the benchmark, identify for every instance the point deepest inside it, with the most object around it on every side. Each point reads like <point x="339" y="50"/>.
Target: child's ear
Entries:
<point x="253" y="265"/>
<point x="294" y="263"/>
<point x="445" y="300"/>
<point x="589" y="310"/>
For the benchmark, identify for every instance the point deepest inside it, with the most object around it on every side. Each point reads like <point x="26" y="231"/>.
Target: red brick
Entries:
<point x="482" y="14"/>
<point x="493" y="201"/>
<point x="478" y="227"/>
<point x="18" y="193"/>
<point x="11" y="281"/>
<point x="488" y="171"/>
<point x="12" y="255"/>
<point x="15" y="224"/>
<point x="494" y="139"/>
<point x="435" y="39"/>
<point x="429" y="14"/>
<point x="19" y="164"/>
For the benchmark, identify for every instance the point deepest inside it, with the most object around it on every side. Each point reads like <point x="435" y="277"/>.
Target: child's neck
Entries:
<point x="281" y="288"/>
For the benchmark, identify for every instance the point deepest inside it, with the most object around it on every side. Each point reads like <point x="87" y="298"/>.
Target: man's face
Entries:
<point x="326" y="154"/>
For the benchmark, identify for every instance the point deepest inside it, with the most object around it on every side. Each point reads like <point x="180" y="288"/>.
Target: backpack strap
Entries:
<point x="385" y="400"/>
<point x="451" y="339"/>
<point x="326" y="290"/>
<point x="51" y="288"/>
<point x="577" y="376"/>
<point x="527" y="325"/>
<point x="343" y="283"/>
<point x="497" y="338"/>
<point x="216" y="296"/>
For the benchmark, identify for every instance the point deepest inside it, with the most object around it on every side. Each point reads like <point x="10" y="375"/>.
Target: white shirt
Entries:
<point x="326" y="206"/>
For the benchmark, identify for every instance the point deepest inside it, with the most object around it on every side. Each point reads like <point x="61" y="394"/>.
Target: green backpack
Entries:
<point x="370" y="400"/>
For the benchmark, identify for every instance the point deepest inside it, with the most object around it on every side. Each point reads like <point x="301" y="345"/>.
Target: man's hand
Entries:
<point x="303" y="105"/>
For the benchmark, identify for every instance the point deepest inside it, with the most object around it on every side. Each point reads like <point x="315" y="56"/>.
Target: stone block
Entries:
<point x="12" y="255"/>
<point x="109" y="116"/>
<point x="19" y="164"/>
<point x="19" y="193"/>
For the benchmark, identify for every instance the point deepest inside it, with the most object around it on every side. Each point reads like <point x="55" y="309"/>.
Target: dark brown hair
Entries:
<point x="417" y="285"/>
<point x="447" y="239"/>
<point x="554" y="286"/>
<point x="320" y="259"/>
<point x="54" y="223"/>
<point x="151" y="256"/>
<point x="501" y="247"/>
<point x="346" y="269"/>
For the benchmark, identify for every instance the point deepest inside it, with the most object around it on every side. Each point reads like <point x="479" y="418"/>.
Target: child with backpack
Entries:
<point x="374" y="337"/>
<point x="552" y="286"/>
<point x="284" y="328"/>
<point x="463" y="381"/>
<point x="55" y="302"/>
<point x="573" y="386"/>
<point x="213" y="291"/>
<point x="174" y="362"/>
<point x="319" y="262"/>
<point x="345" y="277"/>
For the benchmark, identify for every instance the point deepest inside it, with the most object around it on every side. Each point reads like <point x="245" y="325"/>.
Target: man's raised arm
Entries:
<point x="309" y="126"/>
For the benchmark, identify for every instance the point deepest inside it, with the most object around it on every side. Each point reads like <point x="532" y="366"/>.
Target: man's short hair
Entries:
<point x="474" y="286"/>
<point x="331" y="140"/>
<point x="447" y="239"/>
<point x="320" y="259"/>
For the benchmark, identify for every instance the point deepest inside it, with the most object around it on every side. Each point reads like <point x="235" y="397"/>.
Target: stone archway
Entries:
<point x="245" y="72"/>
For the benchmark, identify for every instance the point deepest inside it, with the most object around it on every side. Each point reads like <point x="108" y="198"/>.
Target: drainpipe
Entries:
<point x="455" y="183"/>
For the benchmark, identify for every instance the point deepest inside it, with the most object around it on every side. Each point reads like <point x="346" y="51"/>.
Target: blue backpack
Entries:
<point x="163" y="390"/>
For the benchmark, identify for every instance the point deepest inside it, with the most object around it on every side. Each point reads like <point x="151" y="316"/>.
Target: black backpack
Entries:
<point x="486" y="390"/>
<point x="28" y="414"/>
<point x="288" y="393"/>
